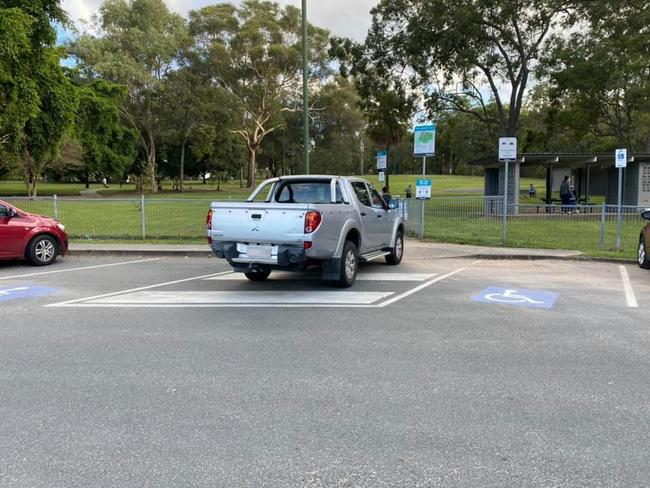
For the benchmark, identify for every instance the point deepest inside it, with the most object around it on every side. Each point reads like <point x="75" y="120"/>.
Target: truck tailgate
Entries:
<point x="258" y="223"/>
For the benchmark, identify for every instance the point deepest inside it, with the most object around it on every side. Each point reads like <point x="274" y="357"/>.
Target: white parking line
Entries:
<point x="66" y="270"/>
<point x="630" y="297"/>
<point x="419" y="288"/>
<point x="133" y="290"/>
<point x="153" y="298"/>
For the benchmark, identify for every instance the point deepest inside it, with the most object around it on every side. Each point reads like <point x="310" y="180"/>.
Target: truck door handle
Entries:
<point x="378" y="216"/>
<point x="256" y="216"/>
<point x="363" y="214"/>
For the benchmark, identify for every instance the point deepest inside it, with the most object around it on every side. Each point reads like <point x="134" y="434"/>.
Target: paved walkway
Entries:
<point x="415" y="250"/>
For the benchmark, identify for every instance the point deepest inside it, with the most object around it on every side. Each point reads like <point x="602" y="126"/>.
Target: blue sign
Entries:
<point x="423" y="189"/>
<point x="424" y="143"/>
<point x="382" y="159"/>
<point x="16" y="292"/>
<point x="517" y="298"/>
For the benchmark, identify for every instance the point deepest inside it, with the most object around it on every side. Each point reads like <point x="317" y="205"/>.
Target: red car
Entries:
<point x="644" y="243"/>
<point x="33" y="237"/>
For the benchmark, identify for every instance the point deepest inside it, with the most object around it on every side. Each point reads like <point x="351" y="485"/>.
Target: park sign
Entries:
<point x="507" y="149"/>
<point x="382" y="159"/>
<point x="424" y="143"/>
<point x="423" y="189"/>
<point x="621" y="158"/>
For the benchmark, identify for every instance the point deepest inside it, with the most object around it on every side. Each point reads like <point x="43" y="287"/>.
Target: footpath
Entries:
<point x="415" y="250"/>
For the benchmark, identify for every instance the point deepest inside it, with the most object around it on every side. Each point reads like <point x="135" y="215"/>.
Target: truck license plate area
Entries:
<point x="259" y="252"/>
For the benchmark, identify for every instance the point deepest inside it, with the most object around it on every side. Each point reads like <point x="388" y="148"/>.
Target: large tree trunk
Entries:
<point x="181" y="187"/>
<point x="252" y="153"/>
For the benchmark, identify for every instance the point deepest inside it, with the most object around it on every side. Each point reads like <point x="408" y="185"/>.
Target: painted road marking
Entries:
<point x="147" y="298"/>
<point x="630" y="297"/>
<point x="133" y="290"/>
<point x="517" y="298"/>
<point x="66" y="270"/>
<point x="305" y="276"/>
<point x="420" y="287"/>
<point x="27" y="291"/>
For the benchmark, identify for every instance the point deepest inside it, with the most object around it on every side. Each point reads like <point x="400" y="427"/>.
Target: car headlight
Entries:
<point x="61" y="226"/>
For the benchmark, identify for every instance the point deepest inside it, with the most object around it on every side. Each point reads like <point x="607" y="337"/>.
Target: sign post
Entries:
<point x="507" y="153"/>
<point x="424" y="144"/>
<point x="422" y="193"/>
<point x="621" y="162"/>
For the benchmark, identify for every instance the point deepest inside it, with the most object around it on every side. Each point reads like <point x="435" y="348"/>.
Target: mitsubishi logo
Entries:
<point x="256" y="226"/>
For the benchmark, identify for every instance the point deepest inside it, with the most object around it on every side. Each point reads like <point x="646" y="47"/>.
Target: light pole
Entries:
<point x="305" y="88"/>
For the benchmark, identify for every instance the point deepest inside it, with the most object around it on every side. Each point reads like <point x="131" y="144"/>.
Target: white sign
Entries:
<point x="382" y="159"/>
<point x="423" y="189"/>
<point x="382" y="176"/>
<point x="424" y="143"/>
<point x="621" y="158"/>
<point x="508" y="149"/>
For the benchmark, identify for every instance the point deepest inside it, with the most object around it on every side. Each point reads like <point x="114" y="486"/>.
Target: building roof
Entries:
<point x="564" y="159"/>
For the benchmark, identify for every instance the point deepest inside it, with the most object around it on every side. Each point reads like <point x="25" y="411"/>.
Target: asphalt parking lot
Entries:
<point x="135" y="371"/>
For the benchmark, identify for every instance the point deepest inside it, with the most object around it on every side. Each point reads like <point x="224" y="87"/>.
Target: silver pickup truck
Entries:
<point x="293" y="222"/>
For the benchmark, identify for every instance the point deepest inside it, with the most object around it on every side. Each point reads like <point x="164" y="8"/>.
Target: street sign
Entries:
<point x="423" y="189"/>
<point x="508" y="149"/>
<point x="621" y="158"/>
<point x="382" y="176"/>
<point x="382" y="159"/>
<point x="424" y="143"/>
<point x="517" y="298"/>
<point x="24" y="291"/>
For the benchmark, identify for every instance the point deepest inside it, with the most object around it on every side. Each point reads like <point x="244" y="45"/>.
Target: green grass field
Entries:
<point x="460" y="218"/>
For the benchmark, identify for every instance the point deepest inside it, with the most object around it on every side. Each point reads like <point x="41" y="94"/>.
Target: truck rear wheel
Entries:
<point x="258" y="274"/>
<point x="644" y="255"/>
<point x="349" y="266"/>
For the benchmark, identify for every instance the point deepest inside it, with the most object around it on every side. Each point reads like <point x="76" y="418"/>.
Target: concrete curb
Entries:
<point x="161" y="251"/>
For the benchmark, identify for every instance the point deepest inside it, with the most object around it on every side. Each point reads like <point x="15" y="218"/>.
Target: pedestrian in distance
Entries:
<point x="565" y="194"/>
<point x="104" y="182"/>
<point x="409" y="191"/>
<point x="385" y="194"/>
<point x="532" y="191"/>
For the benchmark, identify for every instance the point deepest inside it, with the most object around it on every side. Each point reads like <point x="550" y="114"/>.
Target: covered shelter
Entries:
<point x="591" y="174"/>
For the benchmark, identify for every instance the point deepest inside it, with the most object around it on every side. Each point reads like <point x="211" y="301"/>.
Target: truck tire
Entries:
<point x="396" y="253"/>
<point x="258" y="274"/>
<point x="644" y="256"/>
<point x="43" y="250"/>
<point x="349" y="266"/>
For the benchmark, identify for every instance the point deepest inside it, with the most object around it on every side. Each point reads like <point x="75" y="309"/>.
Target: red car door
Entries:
<point x="12" y="232"/>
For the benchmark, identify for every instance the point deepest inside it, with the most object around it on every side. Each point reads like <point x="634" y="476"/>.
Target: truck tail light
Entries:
<point x="312" y="221"/>
<point x="208" y="225"/>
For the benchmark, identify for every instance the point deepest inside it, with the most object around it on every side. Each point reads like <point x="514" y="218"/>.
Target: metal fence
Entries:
<point x="470" y="220"/>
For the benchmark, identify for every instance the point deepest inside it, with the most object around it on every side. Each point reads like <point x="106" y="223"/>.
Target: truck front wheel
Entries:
<point x="258" y="274"/>
<point x="396" y="253"/>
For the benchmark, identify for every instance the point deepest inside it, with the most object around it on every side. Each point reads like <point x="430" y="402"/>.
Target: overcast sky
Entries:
<point x="349" y="18"/>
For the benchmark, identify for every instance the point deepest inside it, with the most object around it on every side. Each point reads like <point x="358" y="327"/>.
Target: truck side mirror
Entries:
<point x="393" y="204"/>
<point x="11" y="213"/>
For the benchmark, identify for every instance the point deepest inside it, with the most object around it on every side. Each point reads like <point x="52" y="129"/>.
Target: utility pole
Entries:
<point x="305" y="88"/>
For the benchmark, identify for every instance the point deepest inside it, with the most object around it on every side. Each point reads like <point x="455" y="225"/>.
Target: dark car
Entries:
<point x="644" y="243"/>
<point x="28" y="236"/>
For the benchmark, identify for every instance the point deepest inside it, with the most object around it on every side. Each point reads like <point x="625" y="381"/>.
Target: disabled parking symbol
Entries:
<point x="24" y="291"/>
<point x="517" y="298"/>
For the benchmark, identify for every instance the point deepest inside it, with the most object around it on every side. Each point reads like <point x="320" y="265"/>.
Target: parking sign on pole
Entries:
<point x="507" y="153"/>
<point x="621" y="162"/>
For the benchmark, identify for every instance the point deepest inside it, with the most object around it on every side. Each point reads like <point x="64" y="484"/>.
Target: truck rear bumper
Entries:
<point x="287" y="256"/>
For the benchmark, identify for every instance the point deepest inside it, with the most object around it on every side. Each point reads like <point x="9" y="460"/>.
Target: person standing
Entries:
<point x="565" y="194"/>
<point x="409" y="191"/>
<point x="385" y="194"/>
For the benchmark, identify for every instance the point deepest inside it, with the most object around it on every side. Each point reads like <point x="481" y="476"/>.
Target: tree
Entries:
<point x="601" y="74"/>
<point x="453" y="51"/>
<point x="255" y="54"/>
<point x="384" y="98"/>
<point x="108" y="146"/>
<point x="137" y="44"/>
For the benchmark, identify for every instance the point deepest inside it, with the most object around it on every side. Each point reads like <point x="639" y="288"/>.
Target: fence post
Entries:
<point x="601" y="240"/>
<point x="422" y="219"/>
<point x="56" y="207"/>
<point x="144" y="218"/>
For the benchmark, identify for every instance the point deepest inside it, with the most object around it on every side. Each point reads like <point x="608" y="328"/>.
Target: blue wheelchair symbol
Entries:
<point x="517" y="298"/>
<point x="23" y="291"/>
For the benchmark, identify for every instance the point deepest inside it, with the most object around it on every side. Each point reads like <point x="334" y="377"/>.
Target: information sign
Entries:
<point x="382" y="159"/>
<point x="424" y="143"/>
<point x="621" y="158"/>
<point x="508" y="149"/>
<point x="423" y="189"/>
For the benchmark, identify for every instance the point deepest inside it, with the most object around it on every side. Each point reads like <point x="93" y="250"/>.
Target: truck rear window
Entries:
<point x="306" y="192"/>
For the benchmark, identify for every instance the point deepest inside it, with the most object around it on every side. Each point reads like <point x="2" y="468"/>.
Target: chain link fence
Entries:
<point x="465" y="220"/>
